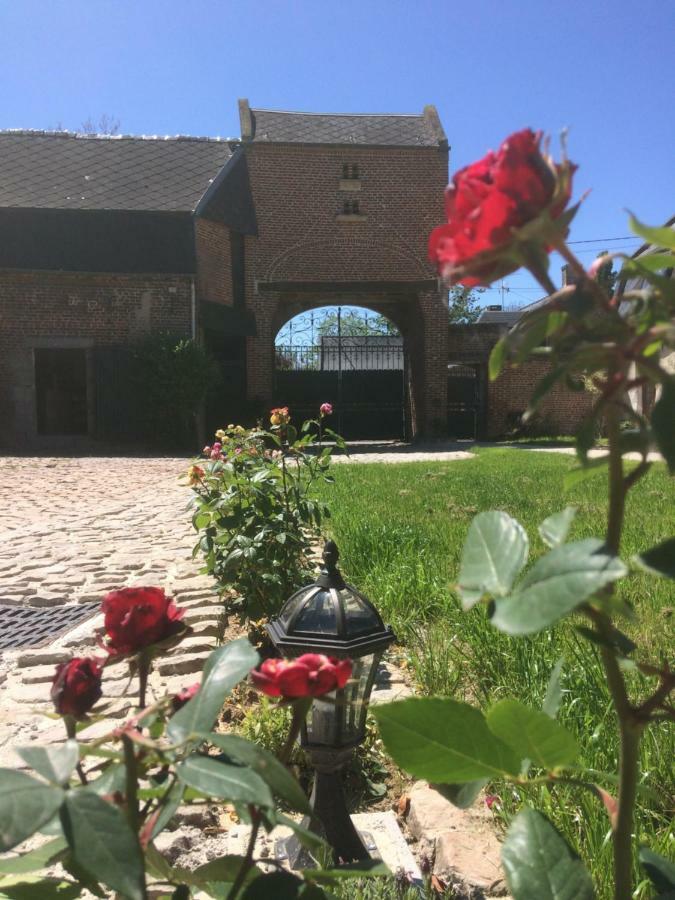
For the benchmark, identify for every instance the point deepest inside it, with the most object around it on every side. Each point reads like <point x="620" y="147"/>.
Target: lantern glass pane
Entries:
<point x="293" y="605"/>
<point x="357" y="694"/>
<point x="318" y="615"/>
<point x="360" y="618"/>
<point x="322" y="721"/>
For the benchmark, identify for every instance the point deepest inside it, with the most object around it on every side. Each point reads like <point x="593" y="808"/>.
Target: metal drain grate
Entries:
<point x="26" y="626"/>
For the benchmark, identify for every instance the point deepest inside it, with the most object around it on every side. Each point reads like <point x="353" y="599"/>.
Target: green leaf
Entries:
<point x="364" y="868"/>
<point x="224" y="869"/>
<point x="38" y="889"/>
<point x="171" y="801"/>
<point x="660" y="237"/>
<point x="102" y="842"/>
<point x="660" y="559"/>
<point x="663" y="422"/>
<point x="538" y="863"/>
<point x="443" y="740"/>
<point x="494" y="552"/>
<point x="532" y="734"/>
<point x="274" y="773"/>
<point x="461" y="795"/>
<point x="661" y="871"/>
<point x="279" y="885"/>
<point x="55" y="763"/>
<point x="556" y="585"/>
<point x="654" y="262"/>
<point x="551" y="703"/>
<point x="497" y="358"/>
<point x="576" y="476"/>
<point x="542" y="388"/>
<point x="224" y="668"/>
<point x="25" y="805"/>
<point x="554" y="530"/>
<point x="218" y="779"/>
<point x="34" y="860"/>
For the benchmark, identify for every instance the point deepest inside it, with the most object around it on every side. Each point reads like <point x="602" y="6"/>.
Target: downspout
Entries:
<point x="193" y="310"/>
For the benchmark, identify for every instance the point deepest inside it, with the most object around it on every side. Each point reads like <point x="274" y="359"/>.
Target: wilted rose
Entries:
<point x="310" y="675"/>
<point x="280" y="416"/>
<point x="326" y="409"/>
<point x="135" y="618"/>
<point x="504" y="199"/>
<point x="76" y="686"/>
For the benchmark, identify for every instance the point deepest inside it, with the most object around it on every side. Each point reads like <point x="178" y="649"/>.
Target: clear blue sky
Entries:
<point x="605" y="70"/>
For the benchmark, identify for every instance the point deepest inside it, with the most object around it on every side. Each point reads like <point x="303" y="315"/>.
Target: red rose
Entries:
<point x="76" y="687"/>
<point x="489" y="202"/>
<point x="183" y="696"/>
<point x="135" y="618"/>
<point x="310" y="675"/>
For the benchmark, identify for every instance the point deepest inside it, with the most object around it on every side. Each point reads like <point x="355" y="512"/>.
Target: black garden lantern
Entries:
<point x="332" y="617"/>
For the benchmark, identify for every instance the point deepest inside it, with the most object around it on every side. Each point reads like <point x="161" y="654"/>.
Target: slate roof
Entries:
<point x="500" y="317"/>
<point x="277" y="126"/>
<point x="61" y="170"/>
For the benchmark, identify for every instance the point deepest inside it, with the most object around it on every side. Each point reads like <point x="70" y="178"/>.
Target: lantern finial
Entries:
<point x="330" y="576"/>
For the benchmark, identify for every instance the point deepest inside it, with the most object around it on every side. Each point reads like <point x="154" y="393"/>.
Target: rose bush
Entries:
<point x="501" y="211"/>
<point x="100" y="805"/>
<point x="255" y="509"/>
<point x="504" y="211"/>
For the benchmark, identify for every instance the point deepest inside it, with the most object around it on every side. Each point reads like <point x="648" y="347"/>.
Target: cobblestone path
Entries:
<point x="73" y="529"/>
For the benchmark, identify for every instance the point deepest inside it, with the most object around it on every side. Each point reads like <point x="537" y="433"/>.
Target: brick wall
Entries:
<point x="561" y="411"/>
<point x="214" y="271"/>
<point x="52" y="309"/>
<point x="303" y="236"/>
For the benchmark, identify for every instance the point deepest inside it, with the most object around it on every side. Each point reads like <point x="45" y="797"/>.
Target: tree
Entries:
<point x="606" y="276"/>
<point x="353" y="324"/>
<point x="105" y="125"/>
<point x="463" y="305"/>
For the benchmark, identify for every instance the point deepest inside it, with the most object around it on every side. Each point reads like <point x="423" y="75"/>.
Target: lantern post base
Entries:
<point x="331" y="820"/>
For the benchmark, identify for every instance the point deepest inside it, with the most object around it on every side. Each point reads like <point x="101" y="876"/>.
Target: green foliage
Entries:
<point x="353" y="324"/>
<point x="539" y="864"/>
<point x="172" y="376"/>
<point x="463" y="305"/>
<point x="106" y="827"/>
<point x="256" y="510"/>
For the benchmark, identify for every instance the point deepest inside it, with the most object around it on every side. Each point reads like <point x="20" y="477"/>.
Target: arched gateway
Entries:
<point x="221" y="240"/>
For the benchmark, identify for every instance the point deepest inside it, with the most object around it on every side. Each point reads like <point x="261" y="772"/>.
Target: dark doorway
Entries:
<point x="361" y="373"/>
<point x="61" y="391"/>
<point x="226" y="403"/>
<point x="464" y="401"/>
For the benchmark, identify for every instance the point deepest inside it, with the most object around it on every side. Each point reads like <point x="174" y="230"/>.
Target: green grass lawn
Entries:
<point x="400" y="529"/>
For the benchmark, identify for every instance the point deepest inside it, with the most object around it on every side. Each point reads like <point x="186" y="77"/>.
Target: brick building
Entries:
<point x="106" y="239"/>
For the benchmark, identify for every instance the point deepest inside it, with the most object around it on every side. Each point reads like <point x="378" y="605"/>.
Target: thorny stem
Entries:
<point x="144" y="663"/>
<point x="629" y="728"/>
<point x="71" y="732"/>
<point x="131" y="792"/>
<point x="301" y="707"/>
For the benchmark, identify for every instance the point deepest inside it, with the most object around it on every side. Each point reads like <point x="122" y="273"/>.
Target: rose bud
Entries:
<point x="183" y="696"/>
<point x="310" y="675"/>
<point x="76" y="687"/>
<point x="326" y="409"/>
<point x="489" y="203"/>
<point x="135" y="618"/>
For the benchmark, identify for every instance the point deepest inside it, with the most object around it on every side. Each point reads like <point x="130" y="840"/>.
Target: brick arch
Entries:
<point x="347" y="257"/>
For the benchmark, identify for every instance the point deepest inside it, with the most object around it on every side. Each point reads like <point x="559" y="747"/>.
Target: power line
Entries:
<point x="629" y="237"/>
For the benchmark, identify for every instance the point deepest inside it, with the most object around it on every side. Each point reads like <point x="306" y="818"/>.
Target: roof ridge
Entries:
<point x="298" y="112"/>
<point x="79" y="135"/>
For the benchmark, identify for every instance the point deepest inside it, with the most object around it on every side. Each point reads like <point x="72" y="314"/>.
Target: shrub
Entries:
<point x="255" y="510"/>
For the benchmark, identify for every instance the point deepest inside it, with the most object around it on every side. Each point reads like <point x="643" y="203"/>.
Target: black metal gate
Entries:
<point x="464" y="401"/>
<point x="362" y="376"/>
